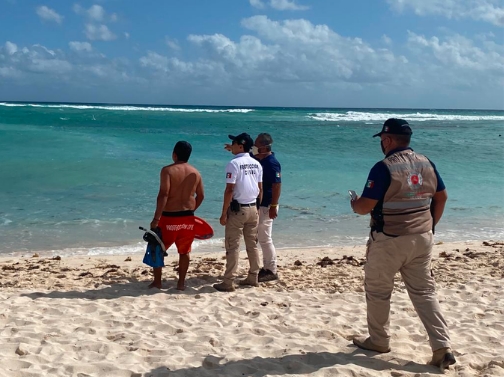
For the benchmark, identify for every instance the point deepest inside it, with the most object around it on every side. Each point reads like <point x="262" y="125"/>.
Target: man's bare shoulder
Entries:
<point x="181" y="168"/>
<point x="168" y="167"/>
<point x="192" y="168"/>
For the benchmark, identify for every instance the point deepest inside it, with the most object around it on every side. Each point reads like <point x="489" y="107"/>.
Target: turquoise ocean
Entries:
<point x="81" y="178"/>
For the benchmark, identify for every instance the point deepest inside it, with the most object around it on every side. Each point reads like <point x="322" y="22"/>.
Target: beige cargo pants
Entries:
<point x="243" y="222"/>
<point x="411" y="256"/>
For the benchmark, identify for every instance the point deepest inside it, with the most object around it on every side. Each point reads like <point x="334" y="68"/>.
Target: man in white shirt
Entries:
<point x="239" y="211"/>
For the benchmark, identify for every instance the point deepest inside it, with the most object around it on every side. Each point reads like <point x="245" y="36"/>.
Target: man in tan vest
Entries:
<point x="405" y="196"/>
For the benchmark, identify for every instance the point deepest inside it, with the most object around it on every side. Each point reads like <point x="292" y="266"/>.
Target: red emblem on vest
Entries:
<point x="415" y="180"/>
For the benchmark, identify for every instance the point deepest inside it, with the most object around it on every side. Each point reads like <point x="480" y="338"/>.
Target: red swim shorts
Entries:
<point x="178" y="230"/>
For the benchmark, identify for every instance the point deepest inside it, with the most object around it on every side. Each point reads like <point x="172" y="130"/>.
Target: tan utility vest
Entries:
<point x="406" y="205"/>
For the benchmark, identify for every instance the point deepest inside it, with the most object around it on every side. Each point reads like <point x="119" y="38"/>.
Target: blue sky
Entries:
<point x="324" y="53"/>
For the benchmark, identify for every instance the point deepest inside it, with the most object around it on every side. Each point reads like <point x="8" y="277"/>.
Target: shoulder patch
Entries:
<point x="228" y="175"/>
<point x="278" y="175"/>
<point x="370" y="184"/>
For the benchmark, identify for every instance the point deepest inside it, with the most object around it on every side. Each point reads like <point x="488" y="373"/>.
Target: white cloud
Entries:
<point x="386" y="39"/>
<point x="78" y="9"/>
<point x="99" y="32"/>
<point x="278" y="5"/>
<point x="172" y="43"/>
<point x="484" y="36"/>
<point x="80" y="46"/>
<point x="460" y="53"/>
<point x="101" y="71"/>
<point x="48" y="69"/>
<point x="95" y="28"/>
<point x="126" y="35"/>
<point x="165" y="64"/>
<point x="163" y="71"/>
<point x="249" y="52"/>
<point x="36" y="59"/>
<point x="156" y="61"/>
<point x="257" y="4"/>
<point x="491" y="11"/>
<point x="287" y="5"/>
<point x="54" y="66"/>
<point x="38" y="47"/>
<point x="9" y="72"/>
<point x="10" y="48"/>
<point x="451" y="69"/>
<point x="48" y="14"/>
<point x="297" y="51"/>
<point x="96" y="13"/>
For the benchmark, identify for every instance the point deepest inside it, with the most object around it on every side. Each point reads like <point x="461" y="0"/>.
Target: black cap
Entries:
<point x="243" y="139"/>
<point x="395" y="126"/>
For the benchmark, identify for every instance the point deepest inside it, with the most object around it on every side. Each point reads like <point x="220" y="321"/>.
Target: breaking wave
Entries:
<point x="358" y="116"/>
<point x="126" y="108"/>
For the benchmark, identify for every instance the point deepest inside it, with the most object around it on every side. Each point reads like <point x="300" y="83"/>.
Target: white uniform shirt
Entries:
<point x="245" y="173"/>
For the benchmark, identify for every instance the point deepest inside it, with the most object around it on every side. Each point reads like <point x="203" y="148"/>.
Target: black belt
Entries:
<point x="248" y="205"/>
<point x="377" y="230"/>
<point x="178" y="213"/>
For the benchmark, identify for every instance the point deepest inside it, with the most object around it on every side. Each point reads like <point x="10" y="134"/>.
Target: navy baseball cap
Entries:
<point x="243" y="139"/>
<point x="394" y="126"/>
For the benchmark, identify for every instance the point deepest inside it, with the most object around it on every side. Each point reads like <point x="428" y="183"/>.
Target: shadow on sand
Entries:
<point x="296" y="364"/>
<point x="194" y="285"/>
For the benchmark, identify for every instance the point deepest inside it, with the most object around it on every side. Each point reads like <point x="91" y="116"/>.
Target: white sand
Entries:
<point x="83" y="316"/>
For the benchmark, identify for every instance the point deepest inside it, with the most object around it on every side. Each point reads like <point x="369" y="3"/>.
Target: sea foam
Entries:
<point x="357" y="116"/>
<point x="137" y="248"/>
<point x="127" y="108"/>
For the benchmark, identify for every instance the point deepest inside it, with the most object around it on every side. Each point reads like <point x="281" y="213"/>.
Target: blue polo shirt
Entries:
<point x="379" y="179"/>
<point x="272" y="173"/>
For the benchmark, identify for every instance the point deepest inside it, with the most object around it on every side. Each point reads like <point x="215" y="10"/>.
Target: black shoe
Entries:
<point x="267" y="275"/>
<point x="262" y="272"/>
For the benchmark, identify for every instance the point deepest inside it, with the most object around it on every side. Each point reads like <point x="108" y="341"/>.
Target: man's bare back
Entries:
<point x="180" y="191"/>
<point x="183" y="181"/>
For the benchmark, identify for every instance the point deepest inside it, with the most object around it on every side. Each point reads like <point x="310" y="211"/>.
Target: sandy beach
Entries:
<point x="93" y="316"/>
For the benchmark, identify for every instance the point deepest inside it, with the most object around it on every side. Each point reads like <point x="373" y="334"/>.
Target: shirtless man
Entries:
<point x="180" y="194"/>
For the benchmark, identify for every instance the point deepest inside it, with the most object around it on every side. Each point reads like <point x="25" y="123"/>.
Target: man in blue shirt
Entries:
<point x="406" y="198"/>
<point x="268" y="210"/>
